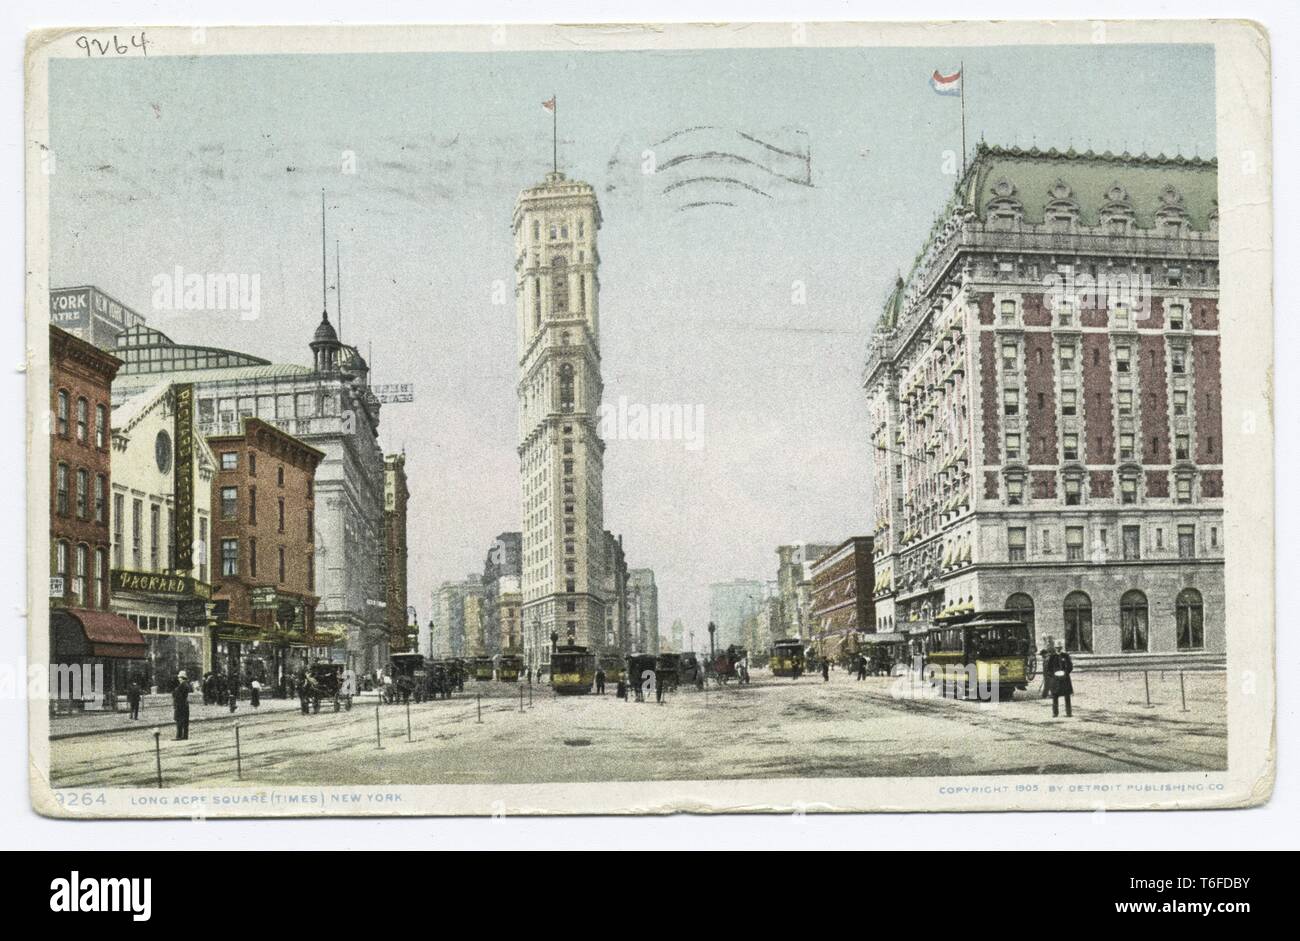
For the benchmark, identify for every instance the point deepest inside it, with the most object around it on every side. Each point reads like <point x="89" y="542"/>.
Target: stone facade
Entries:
<point x="561" y="454"/>
<point x="1044" y="397"/>
<point x="393" y="571"/>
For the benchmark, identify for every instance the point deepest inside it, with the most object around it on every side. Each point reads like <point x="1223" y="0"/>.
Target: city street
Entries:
<point x="772" y="728"/>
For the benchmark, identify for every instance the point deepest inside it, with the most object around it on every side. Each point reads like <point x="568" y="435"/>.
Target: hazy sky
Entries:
<point x="216" y="165"/>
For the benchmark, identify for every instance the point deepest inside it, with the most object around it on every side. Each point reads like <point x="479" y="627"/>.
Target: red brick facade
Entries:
<point x="81" y="436"/>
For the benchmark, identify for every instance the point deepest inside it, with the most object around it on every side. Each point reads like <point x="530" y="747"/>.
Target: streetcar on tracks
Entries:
<point x="976" y="648"/>
<point x="483" y="669"/>
<point x="573" y="670"/>
<point x="509" y="667"/>
<point x="787" y="658"/>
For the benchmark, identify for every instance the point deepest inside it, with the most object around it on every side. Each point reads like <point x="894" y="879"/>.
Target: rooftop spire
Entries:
<point x="324" y="286"/>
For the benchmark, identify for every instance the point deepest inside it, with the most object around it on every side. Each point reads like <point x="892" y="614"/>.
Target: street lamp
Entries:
<point x="555" y="639"/>
<point x="713" y="629"/>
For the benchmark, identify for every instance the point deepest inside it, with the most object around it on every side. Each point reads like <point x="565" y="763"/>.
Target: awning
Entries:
<point x="78" y="632"/>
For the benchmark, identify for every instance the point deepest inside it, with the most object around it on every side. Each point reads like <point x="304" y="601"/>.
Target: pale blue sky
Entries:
<point x="216" y="164"/>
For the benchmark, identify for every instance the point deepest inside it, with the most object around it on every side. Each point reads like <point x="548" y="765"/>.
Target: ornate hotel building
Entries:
<point x="561" y="455"/>
<point x="1044" y="397"/>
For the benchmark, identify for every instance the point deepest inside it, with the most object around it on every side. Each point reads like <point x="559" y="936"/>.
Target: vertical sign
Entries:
<point x="183" y="477"/>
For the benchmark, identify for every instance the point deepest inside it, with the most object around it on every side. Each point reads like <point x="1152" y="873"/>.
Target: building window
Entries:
<point x="280" y="510"/>
<point x="1132" y="538"/>
<point x="1069" y="402"/>
<point x="279" y="476"/>
<point x="61" y="414"/>
<point x="79" y="575"/>
<point x="203" y="548"/>
<point x="252" y="464"/>
<point x="1189" y="613"/>
<point x="566" y="388"/>
<point x="1013" y="446"/>
<point x="1074" y="543"/>
<point x="1183" y="490"/>
<point x="137" y="532"/>
<point x="155" y="527"/>
<point x="252" y="505"/>
<point x="311" y="571"/>
<point x="1180" y="402"/>
<point x="1122" y="358"/>
<point x="1124" y="400"/>
<point x="1073" y="491"/>
<point x="1133" y="622"/>
<point x="1187" y="541"/>
<point x="282" y="563"/>
<point x="61" y="563"/>
<point x="101" y="498"/>
<point x="1123" y="318"/>
<point x="1011" y="401"/>
<point x="1015" y="491"/>
<point x="252" y="558"/>
<point x="1021" y="607"/>
<point x="1010" y="353"/>
<point x="61" y="489"/>
<point x="1016" y="544"/>
<point x="230" y="557"/>
<point x="1126" y="446"/>
<point x="1070" y="446"/>
<point x="229" y="503"/>
<point x="1175" y="316"/>
<point x="1182" y="449"/>
<point x="118" y="522"/>
<point x="98" y="596"/>
<point x="1067" y="359"/>
<point x="83" y="488"/>
<point x="311" y="527"/>
<point x="1078" y="622"/>
<point x="1008" y="312"/>
<point x="83" y="417"/>
<point x="229" y="460"/>
<point x="1178" y="361"/>
<point x="101" y="427"/>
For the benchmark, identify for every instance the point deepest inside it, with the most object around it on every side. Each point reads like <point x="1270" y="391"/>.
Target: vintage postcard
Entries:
<point x="503" y="419"/>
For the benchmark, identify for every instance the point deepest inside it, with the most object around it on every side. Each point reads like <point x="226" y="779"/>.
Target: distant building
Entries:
<point x="843" y="583"/>
<point x="643" y="610"/>
<point x="91" y="315"/>
<point x="392" y="567"/>
<point x="730" y="604"/>
<point x="794" y="586"/>
<point x="501" y="573"/>
<point x="678" y="634"/>
<point x="457" y="625"/>
<point x="618" y="632"/>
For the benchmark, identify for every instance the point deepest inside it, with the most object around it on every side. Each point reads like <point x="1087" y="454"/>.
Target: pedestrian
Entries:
<point x="1059" y="668"/>
<point x="862" y="668"/>
<point x="255" y="693"/>
<point x="234" y="692"/>
<point x="133" y="697"/>
<point x="1043" y="656"/>
<point x="600" y="682"/>
<point x="659" y="687"/>
<point x="826" y="671"/>
<point x="303" y="698"/>
<point x="181" y="706"/>
<point x="621" y="690"/>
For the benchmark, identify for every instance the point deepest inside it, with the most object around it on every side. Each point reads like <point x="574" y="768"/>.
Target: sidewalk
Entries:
<point x="156" y="710"/>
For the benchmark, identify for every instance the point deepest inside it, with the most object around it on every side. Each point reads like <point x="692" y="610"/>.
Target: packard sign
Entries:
<point x="154" y="583"/>
<point x="183" y="476"/>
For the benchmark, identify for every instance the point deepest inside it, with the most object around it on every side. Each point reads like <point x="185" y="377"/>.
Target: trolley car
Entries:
<point x="615" y="670"/>
<point x="482" y="669"/>
<point x="787" y="658"/>
<point x="509" y="667"/>
<point x="979" y="648"/>
<point x="573" y="670"/>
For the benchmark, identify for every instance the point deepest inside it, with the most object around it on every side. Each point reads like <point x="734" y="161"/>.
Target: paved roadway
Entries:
<point x="771" y="728"/>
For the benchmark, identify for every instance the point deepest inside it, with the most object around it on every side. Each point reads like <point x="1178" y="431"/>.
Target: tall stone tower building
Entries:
<point x="561" y="456"/>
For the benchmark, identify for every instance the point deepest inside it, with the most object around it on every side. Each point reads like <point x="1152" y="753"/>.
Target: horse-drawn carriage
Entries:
<point x="410" y="679"/>
<point x="668" y="669"/>
<point x="330" y="681"/>
<point x="728" y="665"/>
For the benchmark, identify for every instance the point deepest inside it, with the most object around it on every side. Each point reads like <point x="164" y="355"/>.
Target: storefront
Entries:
<point x="171" y="612"/>
<point x="275" y="649"/>
<point x="94" y="655"/>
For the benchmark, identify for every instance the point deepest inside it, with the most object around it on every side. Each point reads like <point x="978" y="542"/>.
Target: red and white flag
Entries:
<point x="549" y="105"/>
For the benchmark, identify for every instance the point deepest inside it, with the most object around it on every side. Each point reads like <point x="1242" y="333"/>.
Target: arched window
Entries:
<point x="1022" y="607"/>
<point x="1078" y="622"/>
<point x="1190" y="614"/>
<point x="1133" y="621"/>
<point x="566" y="388"/>
<point x="559" y="284"/>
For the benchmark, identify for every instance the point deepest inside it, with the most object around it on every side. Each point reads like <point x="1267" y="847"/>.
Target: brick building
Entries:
<point x="82" y="630"/>
<point x="1044" y="398"/>
<point x="263" y="543"/>
<point x="843" y="606"/>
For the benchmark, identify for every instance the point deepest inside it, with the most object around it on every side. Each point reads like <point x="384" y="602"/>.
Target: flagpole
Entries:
<point x="555" y="141"/>
<point x="961" y="69"/>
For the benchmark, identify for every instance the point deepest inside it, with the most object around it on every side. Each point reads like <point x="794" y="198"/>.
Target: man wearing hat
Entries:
<point x="181" y="706"/>
<point x="1058" y="670"/>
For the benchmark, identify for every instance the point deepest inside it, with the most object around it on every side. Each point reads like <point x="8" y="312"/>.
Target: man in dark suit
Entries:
<point x="1059" y="668"/>
<point x="181" y="706"/>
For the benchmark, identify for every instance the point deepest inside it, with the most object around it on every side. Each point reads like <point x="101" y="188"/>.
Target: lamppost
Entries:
<point x="713" y="629"/>
<point x="555" y="639"/>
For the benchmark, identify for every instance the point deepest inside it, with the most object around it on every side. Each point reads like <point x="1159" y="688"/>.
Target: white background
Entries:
<point x="1272" y="826"/>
